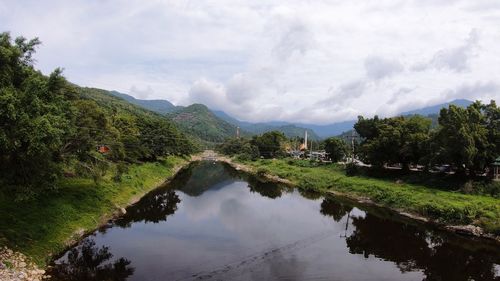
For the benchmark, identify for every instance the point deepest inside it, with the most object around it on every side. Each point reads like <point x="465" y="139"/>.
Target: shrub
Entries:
<point x="351" y="169"/>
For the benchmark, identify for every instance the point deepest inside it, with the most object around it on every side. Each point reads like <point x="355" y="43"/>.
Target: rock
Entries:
<point x="466" y="229"/>
<point x="22" y="264"/>
<point x="123" y="211"/>
<point x="2" y="266"/>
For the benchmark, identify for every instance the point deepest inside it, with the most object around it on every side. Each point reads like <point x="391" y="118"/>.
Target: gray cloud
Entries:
<point x="399" y="94"/>
<point x="297" y="38"/>
<point x="455" y="59"/>
<point x="378" y="68"/>
<point x="477" y="89"/>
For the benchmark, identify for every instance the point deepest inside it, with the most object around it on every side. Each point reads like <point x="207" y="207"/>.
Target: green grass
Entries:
<point x="42" y="227"/>
<point x="444" y="206"/>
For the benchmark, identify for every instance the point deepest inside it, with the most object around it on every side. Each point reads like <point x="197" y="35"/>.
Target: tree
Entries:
<point x="239" y="146"/>
<point x="270" y="144"/>
<point x="336" y="149"/>
<point x="467" y="137"/>
<point x="394" y="140"/>
<point x="33" y="118"/>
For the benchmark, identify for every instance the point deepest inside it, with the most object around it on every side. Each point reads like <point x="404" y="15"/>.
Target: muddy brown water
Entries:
<point x="213" y="223"/>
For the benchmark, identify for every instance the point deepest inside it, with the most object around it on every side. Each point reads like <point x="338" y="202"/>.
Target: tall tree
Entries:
<point x="336" y="149"/>
<point x="270" y="144"/>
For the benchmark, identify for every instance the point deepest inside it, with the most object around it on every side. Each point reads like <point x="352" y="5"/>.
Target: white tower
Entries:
<point x="305" y="140"/>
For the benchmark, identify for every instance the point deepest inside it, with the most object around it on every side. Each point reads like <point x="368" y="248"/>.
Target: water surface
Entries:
<point x="212" y="223"/>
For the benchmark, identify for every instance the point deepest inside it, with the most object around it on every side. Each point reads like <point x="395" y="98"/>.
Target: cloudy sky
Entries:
<point x="304" y="61"/>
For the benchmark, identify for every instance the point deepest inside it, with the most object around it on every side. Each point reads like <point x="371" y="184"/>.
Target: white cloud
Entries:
<point x="479" y="89"/>
<point x="297" y="60"/>
<point x="455" y="59"/>
<point x="141" y="93"/>
<point x="379" y="68"/>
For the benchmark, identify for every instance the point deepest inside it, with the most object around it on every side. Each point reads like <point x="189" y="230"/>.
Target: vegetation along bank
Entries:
<point x="472" y="214"/>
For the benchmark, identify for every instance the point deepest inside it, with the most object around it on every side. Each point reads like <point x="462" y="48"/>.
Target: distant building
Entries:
<point x="496" y="169"/>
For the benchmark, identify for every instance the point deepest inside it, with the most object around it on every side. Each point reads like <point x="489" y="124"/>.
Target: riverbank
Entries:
<point x="467" y="214"/>
<point x="44" y="227"/>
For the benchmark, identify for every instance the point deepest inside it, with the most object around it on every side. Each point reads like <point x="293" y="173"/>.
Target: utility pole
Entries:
<point x="305" y="140"/>
<point x="352" y="136"/>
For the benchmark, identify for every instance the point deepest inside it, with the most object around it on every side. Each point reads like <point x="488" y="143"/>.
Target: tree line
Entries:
<point x="49" y="125"/>
<point x="467" y="139"/>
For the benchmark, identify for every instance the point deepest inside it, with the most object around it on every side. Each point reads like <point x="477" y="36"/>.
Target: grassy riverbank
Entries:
<point x="443" y="206"/>
<point x="42" y="227"/>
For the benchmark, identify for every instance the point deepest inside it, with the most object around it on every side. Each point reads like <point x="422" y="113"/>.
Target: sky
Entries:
<point x="301" y="61"/>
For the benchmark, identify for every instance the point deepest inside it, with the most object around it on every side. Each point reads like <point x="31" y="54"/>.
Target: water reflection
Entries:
<point x="202" y="176"/>
<point x="87" y="262"/>
<point x="214" y="223"/>
<point x="334" y="209"/>
<point x="154" y="207"/>
<point x="266" y="189"/>
<point x="413" y="248"/>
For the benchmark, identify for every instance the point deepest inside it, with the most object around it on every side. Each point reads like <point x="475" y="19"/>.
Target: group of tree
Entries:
<point x="267" y="145"/>
<point x="467" y="139"/>
<point x="48" y="124"/>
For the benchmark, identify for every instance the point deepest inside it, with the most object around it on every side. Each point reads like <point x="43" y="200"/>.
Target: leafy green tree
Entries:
<point x="270" y="144"/>
<point x="239" y="146"/>
<point x="336" y="148"/>
<point x="401" y="140"/>
<point x="33" y="117"/>
<point x="466" y="137"/>
<point x="492" y="123"/>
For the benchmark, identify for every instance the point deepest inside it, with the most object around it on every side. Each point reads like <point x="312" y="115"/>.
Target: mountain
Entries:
<point x="199" y="121"/>
<point x="159" y="106"/>
<point x="290" y="130"/>
<point x="218" y="121"/>
<point x="329" y="130"/>
<point x="436" y="108"/>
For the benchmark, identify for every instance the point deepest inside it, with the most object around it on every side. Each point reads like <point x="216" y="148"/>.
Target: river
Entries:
<point x="214" y="223"/>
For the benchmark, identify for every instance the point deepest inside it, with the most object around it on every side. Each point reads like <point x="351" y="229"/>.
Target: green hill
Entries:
<point x="197" y="120"/>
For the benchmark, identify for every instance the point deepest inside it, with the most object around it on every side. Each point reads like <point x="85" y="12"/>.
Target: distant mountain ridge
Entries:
<point x="434" y="109"/>
<point x="159" y="106"/>
<point x="228" y="123"/>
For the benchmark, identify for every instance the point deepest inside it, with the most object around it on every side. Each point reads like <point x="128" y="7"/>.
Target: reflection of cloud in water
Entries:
<point x="253" y="217"/>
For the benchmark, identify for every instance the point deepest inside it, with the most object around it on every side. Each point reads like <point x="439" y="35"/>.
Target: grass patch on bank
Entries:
<point x="39" y="228"/>
<point x="444" y="206"/>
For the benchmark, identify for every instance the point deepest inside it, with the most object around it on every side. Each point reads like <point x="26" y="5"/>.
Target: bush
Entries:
<point x="261" y="172"/>
<point x="351" y="169"/>
<point x="121" y="169"/>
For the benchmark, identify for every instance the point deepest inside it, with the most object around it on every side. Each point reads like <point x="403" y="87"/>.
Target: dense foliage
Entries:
<point x="270" y="144"/>
<point x="336" y="149"/>
<point x="239" y="146"/>
<point x="49" y="125"/>
<point x="465" y="138"/>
